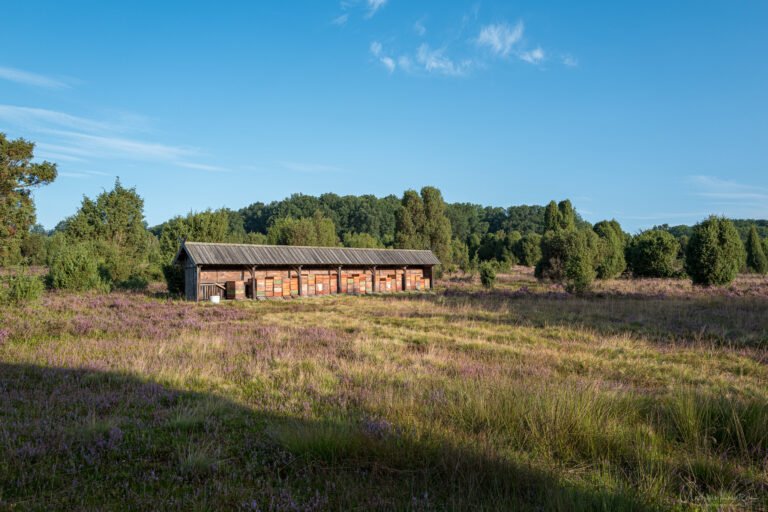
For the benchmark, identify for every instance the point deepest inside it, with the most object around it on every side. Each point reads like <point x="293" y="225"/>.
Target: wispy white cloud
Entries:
<point x="45" y="147"/>
<point x="388" y="63"/>
<point x="717" y="188"/>
<point x="534" y="56"/>
<point x="426" y="60"/>
<point x="374" y="6"/>
<point x="570" y="61"/>
<point x="201" y="167"/>
<point x="102" y="146"/>
<point x="27" y="78"/>
<point x="435" y="61"/>
<point x="504" y="40"/>
<point x="307" y="167"/>
<point x="341" y="20"/>
<point x="471" y="15"/>
<point x="63" y="137"/>
<point x="83" y="174"/>
<point x="53" y="156"/>
<point x="500" y="38"/>
<point x="32" y="118"/>
<point x="99" y="173"/>
<point x="377" y="51"/>
<point x="667" y="216"/>
<point x="405" y="63"/>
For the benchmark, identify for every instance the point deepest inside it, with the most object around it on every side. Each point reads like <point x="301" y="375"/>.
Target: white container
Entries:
<point x="215" y="299"/>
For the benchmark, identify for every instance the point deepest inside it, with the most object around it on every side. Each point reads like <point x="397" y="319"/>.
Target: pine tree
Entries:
<point x="437" y="227"/>
<point x="18" y="176"/>
<point x="756" y="259"/>
<point x="567" y="215"/>
<point x="409" y="222"/>
<point x="551" y="217"/>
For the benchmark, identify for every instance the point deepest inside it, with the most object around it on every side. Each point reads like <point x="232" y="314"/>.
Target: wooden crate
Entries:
<point x="261" y="288"/>
<point x="235" y="290"/>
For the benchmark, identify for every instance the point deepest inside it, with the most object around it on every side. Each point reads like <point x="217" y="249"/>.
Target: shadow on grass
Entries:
<point x="83" y="439"/>
<point x="739" y="322"/>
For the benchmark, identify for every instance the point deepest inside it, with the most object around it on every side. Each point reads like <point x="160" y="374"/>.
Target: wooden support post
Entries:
<point x="298" y="269"/>
<point x="431" y="278"/>
<point x="338" y="280"/>
<point x="253" y="282"/>
<point x="373" y="277"/>
<point x="198" y="286"/>
<point x="405" y="279"/>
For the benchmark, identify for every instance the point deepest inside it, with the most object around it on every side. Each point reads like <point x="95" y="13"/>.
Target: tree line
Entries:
<point x="107" y="242"/>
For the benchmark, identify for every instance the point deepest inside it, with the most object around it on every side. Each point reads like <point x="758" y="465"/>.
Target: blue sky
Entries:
<point x="647" y="112"/>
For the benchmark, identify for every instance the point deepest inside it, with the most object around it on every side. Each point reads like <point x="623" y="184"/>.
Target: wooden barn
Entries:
<point x="240" y="271"/>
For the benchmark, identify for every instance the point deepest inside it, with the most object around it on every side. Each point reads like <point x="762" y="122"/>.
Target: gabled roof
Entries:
<point x="245" y="254"/>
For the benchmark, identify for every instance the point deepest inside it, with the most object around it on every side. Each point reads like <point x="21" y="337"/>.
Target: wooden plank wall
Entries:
<point x="190" y="282"/>
<point x="285" y="283"/>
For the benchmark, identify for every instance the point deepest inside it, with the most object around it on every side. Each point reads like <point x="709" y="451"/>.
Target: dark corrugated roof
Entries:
<point x="245" y="254"/>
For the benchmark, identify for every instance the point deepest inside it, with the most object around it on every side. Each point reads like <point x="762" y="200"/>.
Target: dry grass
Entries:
<point x="642" y="395"/>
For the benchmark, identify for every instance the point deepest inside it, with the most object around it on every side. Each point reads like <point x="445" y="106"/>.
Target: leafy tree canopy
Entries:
<point x="18" y="177"/>
<point x="715" y="252"/>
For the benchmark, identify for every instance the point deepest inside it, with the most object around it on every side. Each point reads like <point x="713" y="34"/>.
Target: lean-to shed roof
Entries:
<point x="277" y="255"/>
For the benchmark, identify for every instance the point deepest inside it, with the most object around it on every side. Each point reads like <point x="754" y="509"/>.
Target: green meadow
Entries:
<point x="640" y="395"/>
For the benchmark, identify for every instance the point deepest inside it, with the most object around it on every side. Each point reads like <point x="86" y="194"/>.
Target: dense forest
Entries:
<point x="107" y="242"/>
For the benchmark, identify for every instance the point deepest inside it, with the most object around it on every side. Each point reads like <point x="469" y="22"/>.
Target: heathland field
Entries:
<point x="640" y="395"/>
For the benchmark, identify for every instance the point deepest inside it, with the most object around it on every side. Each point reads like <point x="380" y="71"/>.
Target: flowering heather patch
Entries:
<point x="638" y="397"/>
<point x="378" y="428"/>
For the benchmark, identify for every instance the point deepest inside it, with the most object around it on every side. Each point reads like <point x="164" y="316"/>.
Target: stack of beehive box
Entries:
<point x="235" y="290"/>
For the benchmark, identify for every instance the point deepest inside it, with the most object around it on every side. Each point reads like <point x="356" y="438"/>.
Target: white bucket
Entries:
<point x="215" y="299"/>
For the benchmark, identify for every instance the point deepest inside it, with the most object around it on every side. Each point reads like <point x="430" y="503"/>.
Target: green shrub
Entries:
<point x="610" y="253"/>
<point x="715" y="252"/>
<point x="487" y="274"/>
<point x="765" y="246"/>
<point x="34" y="248"/>
<point x="362" y="241"/>
<point x="756" y="259"/>
<point x="653" y="253"/>
<point x="114" y="262"/>
<point x="135" y="282"/>
<point x="568" y="257"/>
<point x="174" y="278"/>
<point x="21" y="288"/>
<point x="528" y="249"/>
<point x="74" y="267"/>
<point x="499" y="246"/>
<point x="459" y="257"/>
<point x="579" y="273"/>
